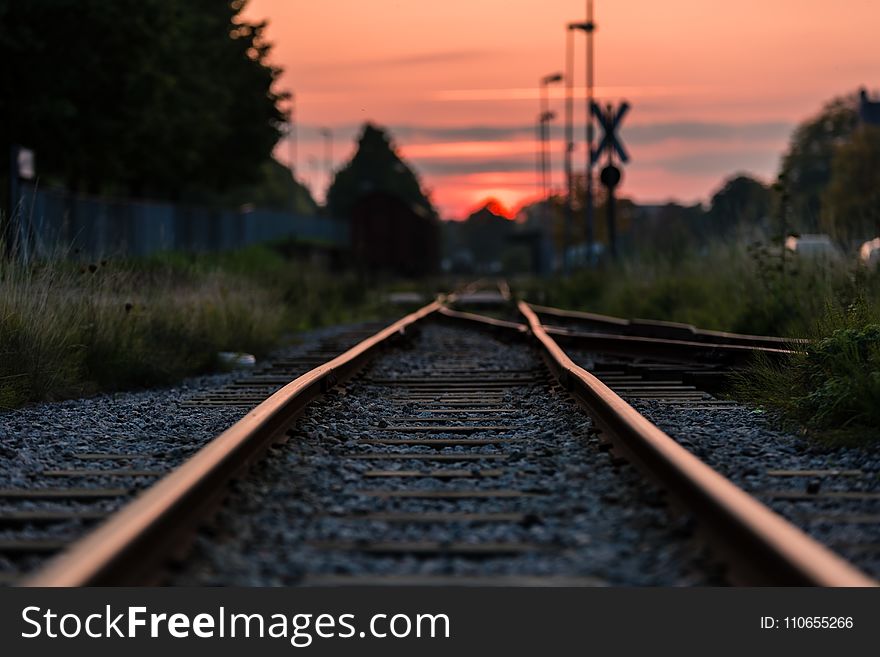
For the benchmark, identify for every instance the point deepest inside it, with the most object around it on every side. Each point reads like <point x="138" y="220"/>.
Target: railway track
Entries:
<point x="451" y="447"/>
<point x="53" y="502"/>
<point x="825" y="491"/>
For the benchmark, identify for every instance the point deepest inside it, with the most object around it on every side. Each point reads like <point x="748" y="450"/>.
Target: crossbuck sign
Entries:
<point x="610" y="121"/>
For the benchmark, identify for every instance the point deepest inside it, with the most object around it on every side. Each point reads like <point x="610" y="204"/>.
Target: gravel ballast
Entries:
<point x="157" y="428"/>
<point x="743" y="444"/>
<point x="299" y="515"/>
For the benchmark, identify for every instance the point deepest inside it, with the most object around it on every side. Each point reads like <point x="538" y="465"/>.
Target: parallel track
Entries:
<point x="759" y="546"/>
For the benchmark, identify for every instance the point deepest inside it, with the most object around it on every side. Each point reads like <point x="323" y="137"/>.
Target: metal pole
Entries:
<point x="611" y="210"/>
<point x="9" y="228"/>
<point x="328" y="154"/>
<point x="546" y="217"/>
<point x="291" y="144"/>
<point x="538" y="138"/>
<point x="569" y="145"/>
<point x="315" y="173"/>
<point x="545" y="144"/>
<point x="590" y="27"/>
<point x="548" y="163"/>
<point x="545" y="118"/>
<point x="544" y="103"/>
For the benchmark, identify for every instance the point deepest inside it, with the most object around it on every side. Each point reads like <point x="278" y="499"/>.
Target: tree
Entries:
<point x="668" y="231"/>
<point x="851" y="202"/>
<point x="375" y="167"/>
<point x="486" y="232"/>
<point x="807" y="165"/>
<point x="276" y="189"/>
<point x="155" y="97"/>
<point x="741" y="201"/>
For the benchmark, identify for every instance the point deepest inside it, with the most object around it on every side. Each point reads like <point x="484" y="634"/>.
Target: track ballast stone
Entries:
<point x="742" y="444"/>
<point x="292" y="517"/>
<point x="157" y="428"/>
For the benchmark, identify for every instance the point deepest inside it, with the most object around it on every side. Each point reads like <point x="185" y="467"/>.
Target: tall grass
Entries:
<point x="831" y="391"/>
<point x="726" y="288"/>
<point x="71" y="329"/>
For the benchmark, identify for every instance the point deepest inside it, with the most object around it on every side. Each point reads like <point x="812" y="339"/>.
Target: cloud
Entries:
<point x="435" y="58"/>
<point x="688" y="164"/>
<point x="457" y="166"/>
<point x="700" y="163"/>
<point x="670" y="158"/>
<point x="652" y="133"/>
<point x="464" y="133"/>
<point x="496" y="94"/>
<point x="636" y="134"/>
<point x="420" y="59"/>
<point x="414" y="133"/>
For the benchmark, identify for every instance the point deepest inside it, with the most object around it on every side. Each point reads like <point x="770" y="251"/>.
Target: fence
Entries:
<point x="92" y="226"/>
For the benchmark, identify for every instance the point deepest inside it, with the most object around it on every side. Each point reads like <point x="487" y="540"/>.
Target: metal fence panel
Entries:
<point x="54" y="222"/>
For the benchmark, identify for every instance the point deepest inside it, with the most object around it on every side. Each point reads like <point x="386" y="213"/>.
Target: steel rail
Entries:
<point x="763" y="546"/>
<point x="487" y="322"/>
<point x="139" y="536"/>
<point x="650" y="328"/>
<point x="127" y="546"/>
<point x="635" y="345"/>
<point x="665" y="348"/>
<point x="660" y="339"/>
<point x="621" y="343"/>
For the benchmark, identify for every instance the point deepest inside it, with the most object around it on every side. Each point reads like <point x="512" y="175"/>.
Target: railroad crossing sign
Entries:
<point x="610" y="121"/>
<point x="610" y="176"/>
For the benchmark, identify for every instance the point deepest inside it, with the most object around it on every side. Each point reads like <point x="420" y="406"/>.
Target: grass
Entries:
<point x="67" y="329"/>
<point x="746" y="291"/>
<point x="72" y="329"/>
<point x="831" y="392"/>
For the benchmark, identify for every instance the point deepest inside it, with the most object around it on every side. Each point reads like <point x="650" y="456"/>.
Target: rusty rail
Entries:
<point x="764" y="547"/>
<point x="129" y="545"/>
<point x="134" y="540"/>
<point x="665" y="348"/>
<point x="650" y="328"/>
<point x="488" y="322"/>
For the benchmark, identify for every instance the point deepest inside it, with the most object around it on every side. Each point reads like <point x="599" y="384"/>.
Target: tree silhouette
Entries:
<point x="376" y="167"/>
<point x="851" y="202"/>
<point x="807" y="165"/>
<point x="741" y="201"/>
<point x="155" y="97"/>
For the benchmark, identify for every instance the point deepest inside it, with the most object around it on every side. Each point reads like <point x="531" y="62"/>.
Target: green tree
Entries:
<point x="670" y="231"/>
<point x="807" y="165"/>
<point x="375" y="166"/>
<point x="851" y="202"/>
<point x="741" y="201"/>
<point x="276" y="189"/>
<point x="486" y="233"/>
<point x="155" y="97"/>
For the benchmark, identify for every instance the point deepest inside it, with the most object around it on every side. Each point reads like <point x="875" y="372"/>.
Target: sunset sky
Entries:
<point x="716" y="85"/>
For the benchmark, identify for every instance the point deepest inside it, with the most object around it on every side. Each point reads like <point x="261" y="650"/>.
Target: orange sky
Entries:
<point x="716" y="85"/>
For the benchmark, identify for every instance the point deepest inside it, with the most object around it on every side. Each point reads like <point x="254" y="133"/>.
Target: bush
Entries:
<point x="726" y="288"/>
<point x="68" y="330"/>
<point x="842" y="380"/>
<point x="831" y="390"/>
